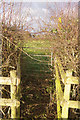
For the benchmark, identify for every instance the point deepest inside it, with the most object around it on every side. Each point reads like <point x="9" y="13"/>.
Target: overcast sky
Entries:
<point x="42" y="0"/>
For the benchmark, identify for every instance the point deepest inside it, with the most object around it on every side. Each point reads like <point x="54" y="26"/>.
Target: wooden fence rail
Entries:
<point x="13" y="102"/>
<point x="14" y="82"/>
<point x="63" y="98"/>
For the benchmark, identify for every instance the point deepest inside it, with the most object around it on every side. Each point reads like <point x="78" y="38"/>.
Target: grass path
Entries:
<point x="35" y="79"/>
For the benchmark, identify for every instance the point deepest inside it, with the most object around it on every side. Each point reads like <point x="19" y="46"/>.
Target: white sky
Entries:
<point x="42" y="0"/>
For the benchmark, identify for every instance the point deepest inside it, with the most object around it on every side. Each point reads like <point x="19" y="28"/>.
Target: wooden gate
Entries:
<point x="63" y="98"/>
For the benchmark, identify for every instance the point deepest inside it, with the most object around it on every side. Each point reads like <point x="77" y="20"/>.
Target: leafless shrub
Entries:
<point x="65" y="30"/>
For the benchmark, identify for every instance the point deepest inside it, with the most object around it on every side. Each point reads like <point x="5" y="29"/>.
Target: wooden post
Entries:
<point x="51" y="58"/>
<point x="59" y="92"/>
<point x="57" y="96"/>
<point x="61" y="70"/>
<point x="51" y="95"/>
<point x="13" y="92"/>
<point x="66" y="96"/>
<point x="0" y="65"/>
<point x="18" y="86"/>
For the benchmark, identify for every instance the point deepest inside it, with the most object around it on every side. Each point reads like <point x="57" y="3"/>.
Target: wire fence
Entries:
<point x="50" y="56"/>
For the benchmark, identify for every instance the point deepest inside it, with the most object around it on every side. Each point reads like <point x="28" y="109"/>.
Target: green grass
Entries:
<point x="38" y="44"/>
<point x="35" y="79"/>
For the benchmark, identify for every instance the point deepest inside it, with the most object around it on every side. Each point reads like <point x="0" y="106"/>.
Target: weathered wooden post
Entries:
<point x="51" y="58"/>
<point x="18" y="85"/>
<point x="13" y="91"/>
<point x="58" y="89"/>
<point x="51" y="97"/>
<point x="79" y="39"/>
<point x="79" y="43"/>
<point x="59" y="92"/>
<point x="0" y="64"/>
<point x="65" y="108"/>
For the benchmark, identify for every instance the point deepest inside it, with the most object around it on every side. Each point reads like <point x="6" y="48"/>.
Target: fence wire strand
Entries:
<point x="24" y="51"/>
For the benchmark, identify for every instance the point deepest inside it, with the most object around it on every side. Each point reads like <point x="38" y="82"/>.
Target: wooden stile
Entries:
<point x="13" y="102"/>
<point x="67" y="79"/>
